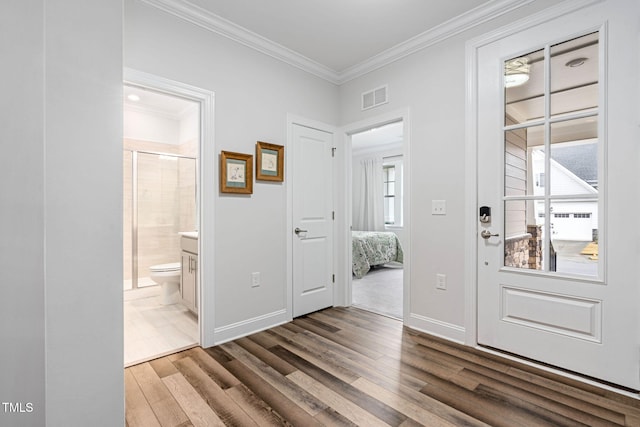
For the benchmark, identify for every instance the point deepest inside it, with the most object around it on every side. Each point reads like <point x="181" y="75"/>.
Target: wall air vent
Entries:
<point x="375" y="97"/>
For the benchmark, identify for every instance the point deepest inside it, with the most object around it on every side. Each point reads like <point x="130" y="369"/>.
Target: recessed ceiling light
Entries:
<point x="576" y="62"/>
<point x="133" y="97"/>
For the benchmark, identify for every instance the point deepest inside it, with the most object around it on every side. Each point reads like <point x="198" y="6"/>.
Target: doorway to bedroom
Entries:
<point x="378" y="220"/>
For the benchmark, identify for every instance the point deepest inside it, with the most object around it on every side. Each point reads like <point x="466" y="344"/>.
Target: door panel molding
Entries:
<point x="527" y="307"/>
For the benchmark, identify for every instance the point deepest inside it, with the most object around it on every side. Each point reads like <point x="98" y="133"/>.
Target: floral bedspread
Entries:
<point x="369" y="248"/>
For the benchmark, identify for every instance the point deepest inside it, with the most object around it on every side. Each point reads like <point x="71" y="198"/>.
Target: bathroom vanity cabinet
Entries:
<point x="189" y="276"/>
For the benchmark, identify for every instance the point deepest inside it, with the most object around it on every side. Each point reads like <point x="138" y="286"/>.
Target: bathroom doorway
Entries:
<point x="160" y="223"/>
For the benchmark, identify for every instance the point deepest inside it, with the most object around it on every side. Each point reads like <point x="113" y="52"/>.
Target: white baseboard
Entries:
<point x="436" y="327"/>
<point x="250" y="326"/>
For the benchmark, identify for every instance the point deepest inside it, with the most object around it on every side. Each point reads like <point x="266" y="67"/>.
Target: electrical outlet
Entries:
<point x="255" y="279"/>
<point x="441" y="281"/>
<point x="438" y="207"/>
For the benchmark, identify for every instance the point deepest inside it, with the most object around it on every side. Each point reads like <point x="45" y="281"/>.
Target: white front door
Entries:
<point x="312" y="219"/>
<point x="557" y="151"/>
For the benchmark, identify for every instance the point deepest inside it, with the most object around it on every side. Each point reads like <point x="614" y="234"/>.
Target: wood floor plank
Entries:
<point x="286" y="407"/>
<point x="459" y="351"/>
<point x="213" y="368"/>
<point x="558" y="402"/>
<point x="534" y="386"/>
<point x="388" y="377"/>
<point x="263" y="339"/>
<point x="329" y="417"/>
<point x="163" y="367"/>
<point x="410" y="409"/>
<point x="482" y="406"/>
<point x="590" y="395"/>
<point x="549" y="413"/>
<point x="347" y="367"/>
<point x="344" y="341"/>
<point x="255" y="407"/>
<point x="350" y="410"/>
<point x="162" y="403"/>
<point x="138" y="411"/>
<point x="347" y="391"/>
<point x="362" y="320"/>
<point x="391" y="336"/>
<point x="200" y="414"/>
<point x="318" y="354"/>
<point x="252" y="346"/>
<point x="226" y="409"/>
<point x="256" y="367"/>
<point x="384" y="340"/>
<point x="535" y="394"/>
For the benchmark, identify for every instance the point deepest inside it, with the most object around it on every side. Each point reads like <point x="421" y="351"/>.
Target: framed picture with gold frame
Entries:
<point x="236" y="173"/>
<point x="269" y="162"/>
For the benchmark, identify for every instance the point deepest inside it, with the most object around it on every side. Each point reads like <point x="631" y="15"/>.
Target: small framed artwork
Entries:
<point x="236" y="173"/>
<point x="269" y="162"/>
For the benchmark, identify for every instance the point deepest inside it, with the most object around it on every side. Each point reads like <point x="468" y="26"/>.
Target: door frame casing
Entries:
<point x="206" y="199"/>
<point x="292" y="120"/>
<point x="344" y="233"/>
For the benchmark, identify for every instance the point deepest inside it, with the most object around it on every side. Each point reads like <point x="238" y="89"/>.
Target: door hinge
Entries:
<point x="333" y="278"/>
<point x="333" y="151"/>
<point x="333" y="215"/>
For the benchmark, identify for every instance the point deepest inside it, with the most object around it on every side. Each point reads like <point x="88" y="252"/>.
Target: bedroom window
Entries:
<point x="392" y="187"/>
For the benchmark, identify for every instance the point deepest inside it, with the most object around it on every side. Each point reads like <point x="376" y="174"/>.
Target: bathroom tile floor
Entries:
<point x="152" y="330"/>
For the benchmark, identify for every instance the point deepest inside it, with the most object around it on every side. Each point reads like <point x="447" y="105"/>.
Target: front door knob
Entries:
<point x="486" y="234"/>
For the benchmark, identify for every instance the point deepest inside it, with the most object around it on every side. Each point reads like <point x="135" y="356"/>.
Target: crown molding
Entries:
<point x="450" y="28"/>
<point x="187" y="11"/>
<point x="209" y="21"/>
<point x="149" y="110"/>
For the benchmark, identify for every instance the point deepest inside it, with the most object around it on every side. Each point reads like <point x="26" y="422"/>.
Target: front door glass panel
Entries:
<point x="552" y="159"/>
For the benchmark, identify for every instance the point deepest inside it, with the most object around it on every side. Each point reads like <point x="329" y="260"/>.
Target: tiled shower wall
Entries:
<point x="166" y="203"/>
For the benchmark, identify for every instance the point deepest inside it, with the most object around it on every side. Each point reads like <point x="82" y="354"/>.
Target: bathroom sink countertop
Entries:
<point x="190" y="234"/>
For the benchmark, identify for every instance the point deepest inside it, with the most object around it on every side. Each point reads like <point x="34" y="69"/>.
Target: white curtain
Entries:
<point x="369" y="211"/>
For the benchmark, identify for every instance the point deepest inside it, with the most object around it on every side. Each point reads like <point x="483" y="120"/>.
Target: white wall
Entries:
<point x="22" y="352"/>
<point x="190" y="125"/>
<point x="61" y="309"/>
<point x="253" y="94"/>
<point x="83" y="212"/>
<point x="145" y="126"/>
<point x="431" y="83"/>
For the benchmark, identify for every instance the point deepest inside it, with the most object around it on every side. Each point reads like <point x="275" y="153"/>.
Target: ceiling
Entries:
<point x="378" y="138"/>
<point x="337" y="39"/>
<point x="156" y="103"/>
<point x="338" y="33"/>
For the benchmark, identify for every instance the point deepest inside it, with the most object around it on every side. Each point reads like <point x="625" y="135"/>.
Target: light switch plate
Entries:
<point x="255" y="279"/>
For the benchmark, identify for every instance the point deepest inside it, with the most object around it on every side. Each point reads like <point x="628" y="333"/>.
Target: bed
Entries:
<point x="370" y="248"/>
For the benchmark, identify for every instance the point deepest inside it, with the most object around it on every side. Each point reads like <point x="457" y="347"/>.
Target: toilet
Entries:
<point x="168" y="277"/>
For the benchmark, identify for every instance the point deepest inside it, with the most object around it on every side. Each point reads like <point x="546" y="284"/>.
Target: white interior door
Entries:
<point x="546" y="291"/>
<point x="312" y="220"/>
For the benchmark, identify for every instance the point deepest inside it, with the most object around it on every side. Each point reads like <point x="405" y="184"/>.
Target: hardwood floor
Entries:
<point x="345" y="366"/>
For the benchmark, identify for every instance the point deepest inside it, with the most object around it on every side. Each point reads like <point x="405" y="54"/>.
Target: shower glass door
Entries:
<point x="163" y="203"/>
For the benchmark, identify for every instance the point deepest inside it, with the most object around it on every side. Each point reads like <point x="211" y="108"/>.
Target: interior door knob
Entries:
<point x="298" y="230"/>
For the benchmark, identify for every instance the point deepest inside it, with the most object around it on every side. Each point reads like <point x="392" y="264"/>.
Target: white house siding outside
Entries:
<point x="574" y="220"/>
